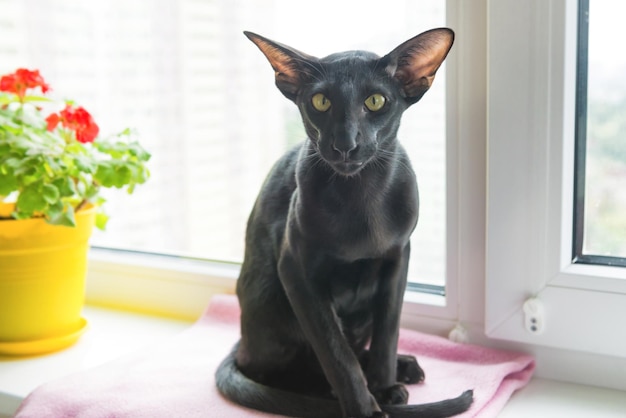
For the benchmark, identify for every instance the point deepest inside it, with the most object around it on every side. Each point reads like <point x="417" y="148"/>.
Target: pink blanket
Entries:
<point x="176" y="379"/>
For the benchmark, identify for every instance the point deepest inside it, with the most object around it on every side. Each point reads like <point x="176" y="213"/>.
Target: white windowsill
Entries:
<point x="114" y="333"/>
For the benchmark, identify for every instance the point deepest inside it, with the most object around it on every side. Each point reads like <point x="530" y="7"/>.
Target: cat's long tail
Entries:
<point x="235" y="386"/>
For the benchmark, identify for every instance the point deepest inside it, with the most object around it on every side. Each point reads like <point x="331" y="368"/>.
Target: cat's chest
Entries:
<point x="358" y="224"/>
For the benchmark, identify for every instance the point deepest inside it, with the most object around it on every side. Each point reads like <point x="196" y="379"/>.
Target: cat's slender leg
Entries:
<point x="320" y="325"/>
<point x="382" y="368"/>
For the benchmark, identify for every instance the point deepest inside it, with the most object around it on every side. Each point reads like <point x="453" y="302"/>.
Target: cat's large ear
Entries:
<point x="415" y="62"/>
<point x="291" y="66"/>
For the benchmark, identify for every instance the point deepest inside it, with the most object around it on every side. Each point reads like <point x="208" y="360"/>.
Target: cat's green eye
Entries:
<point x="320" y="102"/>
<point x="375" y="102"/>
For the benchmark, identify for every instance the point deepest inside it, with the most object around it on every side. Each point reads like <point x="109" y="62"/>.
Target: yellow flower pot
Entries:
<point x="42" y="283"/>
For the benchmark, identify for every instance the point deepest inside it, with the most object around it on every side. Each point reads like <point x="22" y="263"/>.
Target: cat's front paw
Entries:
<point x="409" y="371"/>
<point x="393" y="395"/>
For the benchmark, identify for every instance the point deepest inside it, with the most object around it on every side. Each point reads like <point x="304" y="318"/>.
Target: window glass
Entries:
<point x="601" y="135"/>
<point x="203" y="100"/>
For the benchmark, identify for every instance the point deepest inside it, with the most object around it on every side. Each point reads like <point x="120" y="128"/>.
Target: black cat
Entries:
<point x="327" y="244"/>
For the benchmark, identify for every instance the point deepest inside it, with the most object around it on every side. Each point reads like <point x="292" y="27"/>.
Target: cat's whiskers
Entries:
<point x="315" y="161"/>
<point x="391" y="156"/>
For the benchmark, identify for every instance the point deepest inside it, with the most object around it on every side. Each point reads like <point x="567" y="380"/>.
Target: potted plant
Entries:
<point x="53" y="166"/>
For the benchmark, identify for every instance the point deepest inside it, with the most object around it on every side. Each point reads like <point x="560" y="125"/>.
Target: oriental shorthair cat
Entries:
<point x="327" y="242"/>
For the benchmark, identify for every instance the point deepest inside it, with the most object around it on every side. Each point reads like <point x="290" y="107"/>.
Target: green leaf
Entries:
<point x="123" y="175"/>
<point x="105" y="174"/>
<point x="91" y="191"/>
<point x="13" y="162"/>
<point x="65" y="186"/>
<point x="113" y="174"/>
<point x="31" y="199"/>
<point x="50" y="193"/>
<point x="21" y="143"/>
<point x="65" y="217"/>
<point x="138" y="151"/>
<point x="25" y="170"/>
<point x="36" y="99"/>
<point x="21" y="215"/>
<point x="84" y="164"/>
<point x="145" y="175"/>
<point x="101" y="220"/>
<point x="29" y="166"/>
<point x="8" y="184"/>
<point x="56" y="209"/>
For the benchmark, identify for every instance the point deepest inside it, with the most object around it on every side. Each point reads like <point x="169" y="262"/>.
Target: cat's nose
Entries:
<point x="344" y="148"/>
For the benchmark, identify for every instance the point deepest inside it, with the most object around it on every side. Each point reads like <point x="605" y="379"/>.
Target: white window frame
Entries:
<point x="531" y="108"/>
<point x="466" y="162"/>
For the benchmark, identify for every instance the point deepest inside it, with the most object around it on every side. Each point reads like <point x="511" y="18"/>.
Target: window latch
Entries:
<point x="534" y="316"/>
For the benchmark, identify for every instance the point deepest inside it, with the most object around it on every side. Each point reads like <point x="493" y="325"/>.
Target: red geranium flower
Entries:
<point x="22" y="80"/>
<point x="78" y="120"/>
<point x="53" y="120"/>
